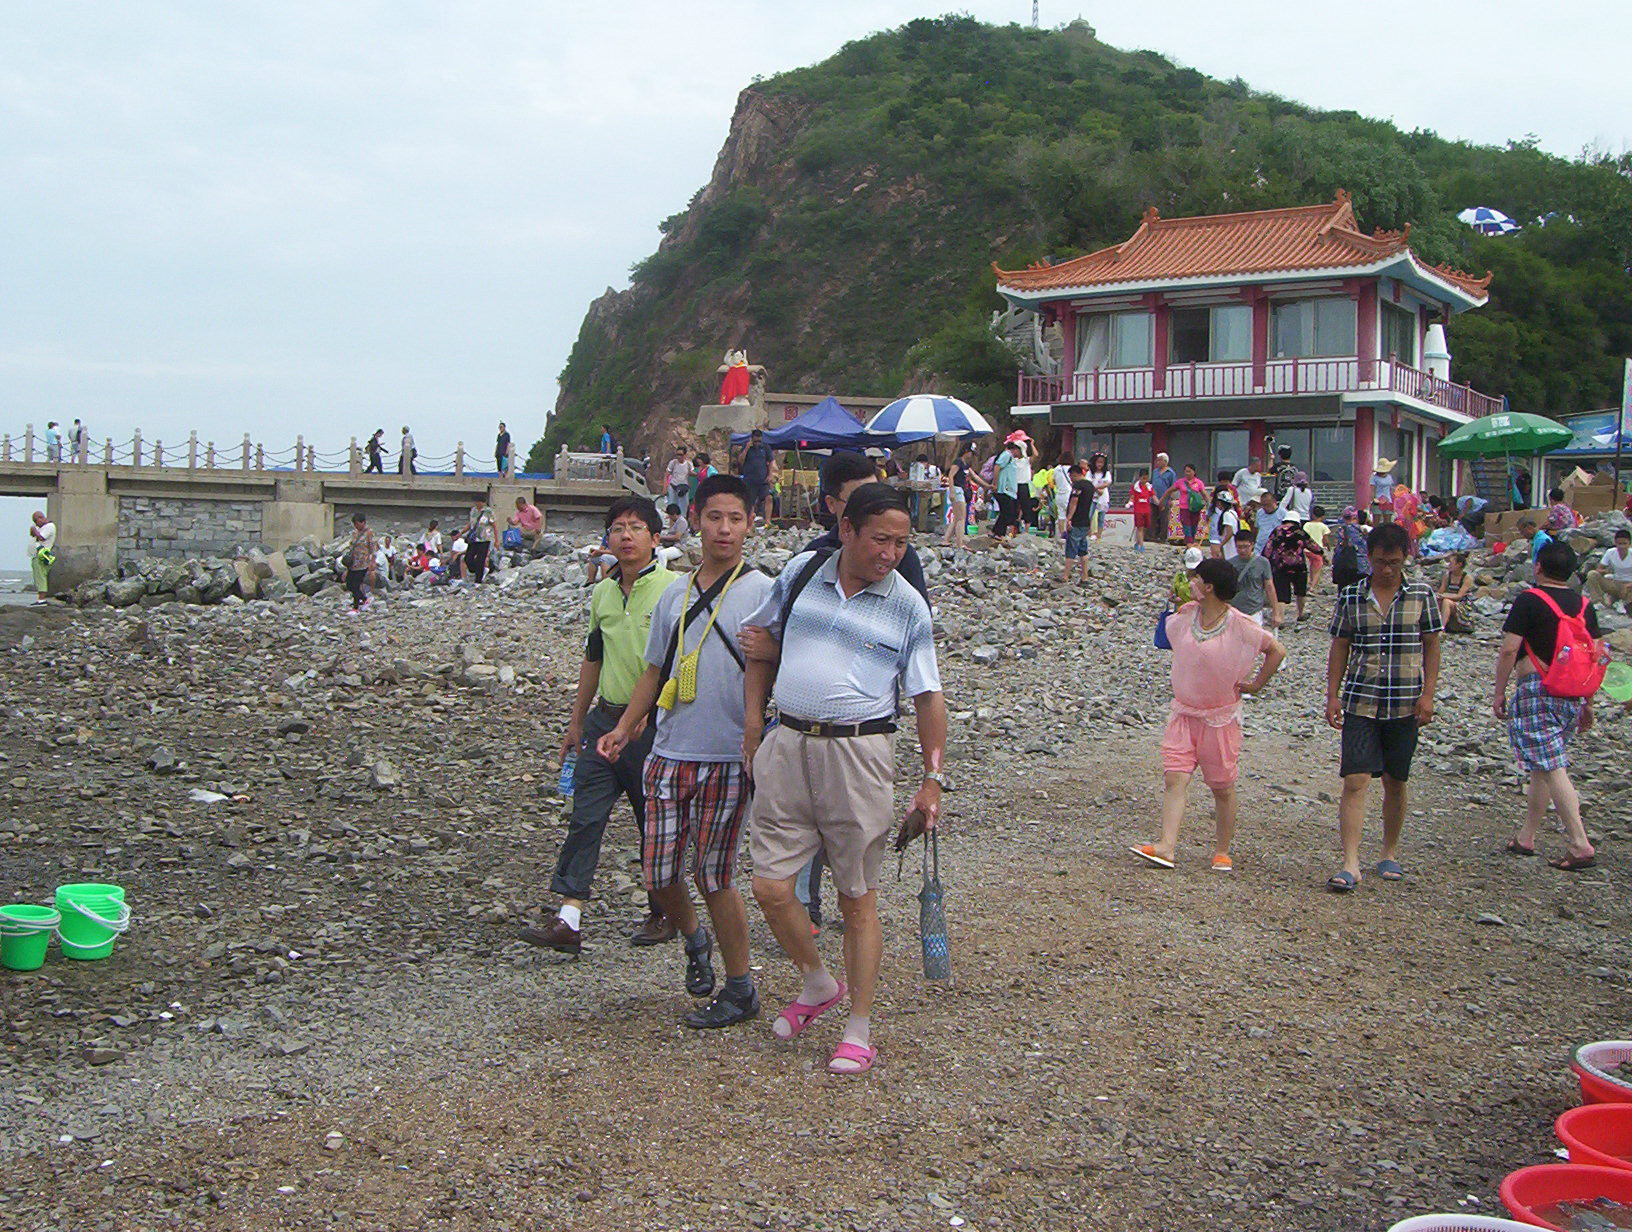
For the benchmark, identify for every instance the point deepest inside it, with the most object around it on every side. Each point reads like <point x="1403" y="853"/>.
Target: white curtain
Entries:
<point x="1093" y="341"/>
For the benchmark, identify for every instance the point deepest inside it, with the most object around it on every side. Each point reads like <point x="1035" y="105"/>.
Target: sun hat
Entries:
<point x="1227" y="497"/>
<point x="1019" y="434"/>
<point x="1384" y="465"/>
<point x="1350" y="513"/>
<point x="1192" y="559"/>
<point x="1292" y="515"/>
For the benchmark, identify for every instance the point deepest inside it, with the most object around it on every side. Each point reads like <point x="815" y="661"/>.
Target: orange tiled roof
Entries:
<point x="1304" y="237"/>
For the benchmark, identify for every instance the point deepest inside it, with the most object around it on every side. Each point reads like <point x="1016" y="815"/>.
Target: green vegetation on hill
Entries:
<point x="850" y="252"/>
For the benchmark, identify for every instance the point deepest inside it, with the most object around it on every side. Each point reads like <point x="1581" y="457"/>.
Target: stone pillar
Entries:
<point x="87" y="519"/>
<point x="298" y="510"/>
<point x="459" y="460"/>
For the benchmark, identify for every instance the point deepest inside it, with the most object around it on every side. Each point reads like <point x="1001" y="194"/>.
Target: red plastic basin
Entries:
<point x="1528" y="1188"/>
<point x="1590" y="1063"/>
<point x="1598" y="1134"/>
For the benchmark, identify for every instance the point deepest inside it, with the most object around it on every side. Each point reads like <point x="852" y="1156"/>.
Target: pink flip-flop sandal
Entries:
<point x="801" y="1014"/>
<point x="861" y="1058"/>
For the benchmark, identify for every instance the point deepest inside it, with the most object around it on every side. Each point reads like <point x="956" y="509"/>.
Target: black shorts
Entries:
<point x="1289" y="582"/>
<point x="1378" y="746"/>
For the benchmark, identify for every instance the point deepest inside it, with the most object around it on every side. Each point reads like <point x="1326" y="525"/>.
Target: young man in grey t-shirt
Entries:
<point x="697" y="790"/>
<point x="1254" y="582"/>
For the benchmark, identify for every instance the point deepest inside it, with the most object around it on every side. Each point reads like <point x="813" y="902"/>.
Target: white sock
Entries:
<point x="819" y="987"/>
<point x="858" y="1030"/>
<point x="574" y="916"/>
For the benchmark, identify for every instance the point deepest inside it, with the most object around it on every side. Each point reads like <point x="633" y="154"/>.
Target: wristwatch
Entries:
<point x="935" y="776"/>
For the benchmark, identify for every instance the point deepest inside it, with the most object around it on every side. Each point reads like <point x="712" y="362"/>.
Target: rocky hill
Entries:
<point x="846" y="234"/>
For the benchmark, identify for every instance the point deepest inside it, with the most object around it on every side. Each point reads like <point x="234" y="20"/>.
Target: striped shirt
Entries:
<point x="842" y="658"/>
<point x="1385" y="674"/>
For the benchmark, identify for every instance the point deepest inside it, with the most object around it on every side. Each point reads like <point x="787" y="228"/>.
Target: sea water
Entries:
<point x="1586" y="1214"/>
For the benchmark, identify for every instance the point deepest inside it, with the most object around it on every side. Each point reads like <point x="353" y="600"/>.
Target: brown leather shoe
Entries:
<point x="655" y="931"/>
<point x="556" y="935"/>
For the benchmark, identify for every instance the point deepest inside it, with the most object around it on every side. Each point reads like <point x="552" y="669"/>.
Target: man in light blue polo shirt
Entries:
<point x="853" y="634"/>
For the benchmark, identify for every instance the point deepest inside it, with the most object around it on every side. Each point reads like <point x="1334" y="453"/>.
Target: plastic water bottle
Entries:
<point x="567" y="768"/>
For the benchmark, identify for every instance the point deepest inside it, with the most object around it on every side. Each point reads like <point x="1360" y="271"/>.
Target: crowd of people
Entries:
<point x="371" y="561"/>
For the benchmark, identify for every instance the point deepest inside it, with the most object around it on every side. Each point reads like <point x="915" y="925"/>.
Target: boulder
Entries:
<point x="188" y="593"/>
<point x="173" y="577"/>
<point x="90" y="594"/>
<point x="249" y="583"/>
<point x="311" y="583"/>
<point x="122" y="592"/>
<point x="277" y="588"/>
<point x="280" y="567"/>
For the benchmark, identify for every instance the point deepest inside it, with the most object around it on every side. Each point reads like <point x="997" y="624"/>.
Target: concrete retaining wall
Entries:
<point x="176" y="527"/>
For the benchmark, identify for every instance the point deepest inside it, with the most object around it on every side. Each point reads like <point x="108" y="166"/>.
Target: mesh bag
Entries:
<point x="932" y="916"/>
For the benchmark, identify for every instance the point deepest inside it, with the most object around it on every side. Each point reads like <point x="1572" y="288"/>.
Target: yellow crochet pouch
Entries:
<point x="681" y="687"/>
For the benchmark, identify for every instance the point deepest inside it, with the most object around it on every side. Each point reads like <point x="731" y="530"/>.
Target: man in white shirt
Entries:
<point x="42" y="552"/>
<point x="1611" y="580"/>
<point x="1249" y="482"/>
<point x="678" y="477"/>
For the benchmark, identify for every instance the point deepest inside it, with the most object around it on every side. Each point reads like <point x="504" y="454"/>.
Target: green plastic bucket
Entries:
<point x="25" y="935"/>
<point x="93" y="915"/>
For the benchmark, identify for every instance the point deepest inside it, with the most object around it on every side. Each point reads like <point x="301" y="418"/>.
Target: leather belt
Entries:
<point x="609" y="709"/>
<point x="872" y="727"/>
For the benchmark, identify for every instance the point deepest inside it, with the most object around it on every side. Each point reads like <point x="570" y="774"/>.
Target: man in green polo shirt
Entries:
<point x="620" y="617"/>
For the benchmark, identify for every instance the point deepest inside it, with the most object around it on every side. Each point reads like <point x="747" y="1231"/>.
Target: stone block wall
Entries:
<point x="176" y="528"/>
<point x="411" y="522"/>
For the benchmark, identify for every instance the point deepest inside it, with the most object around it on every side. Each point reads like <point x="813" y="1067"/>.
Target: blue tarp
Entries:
<point x="827" y="425"/>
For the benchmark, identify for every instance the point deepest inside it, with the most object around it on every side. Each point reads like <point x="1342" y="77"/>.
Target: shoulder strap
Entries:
<point x="1538" y="592"/>
<point x="816" y="561"/>
<point x="697" y="609"/>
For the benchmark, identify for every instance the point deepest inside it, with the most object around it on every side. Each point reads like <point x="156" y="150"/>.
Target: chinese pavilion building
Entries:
<point x="1202" y="337"/>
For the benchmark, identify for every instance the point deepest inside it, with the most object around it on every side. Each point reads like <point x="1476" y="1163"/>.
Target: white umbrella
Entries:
<point x="922" y="416"/>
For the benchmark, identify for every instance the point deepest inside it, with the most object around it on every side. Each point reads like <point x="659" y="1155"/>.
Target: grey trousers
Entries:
<point x="597" y="784"/>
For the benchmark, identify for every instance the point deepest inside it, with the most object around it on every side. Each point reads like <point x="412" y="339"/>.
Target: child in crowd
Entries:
<point x="1318" y="532"/>
<point x="1214" y="649"/>
<point x="1141" y="496"/>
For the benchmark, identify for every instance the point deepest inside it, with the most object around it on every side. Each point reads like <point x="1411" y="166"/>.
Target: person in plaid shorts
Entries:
<point x="696" y="789"/>
<point x="1381" y="674"/>
<point x="1540" y="724"/>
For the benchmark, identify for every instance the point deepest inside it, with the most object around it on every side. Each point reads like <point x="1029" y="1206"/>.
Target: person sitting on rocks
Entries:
<point x="697" y="787"/>
<point x="1454" y="589"/>
<point x="528" y="520"/>
<point x="1214" y="648"/>
<point x="601" y="561"/>
<point x="620" y="618"/>
<point x="432" y="538"/>
<point x="1540" y="724"/>
<point x="671" y="542"/>
<point x="1611" y="577"/>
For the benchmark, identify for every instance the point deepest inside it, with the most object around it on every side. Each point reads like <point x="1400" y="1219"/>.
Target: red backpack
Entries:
<point x="1579" y="660"/>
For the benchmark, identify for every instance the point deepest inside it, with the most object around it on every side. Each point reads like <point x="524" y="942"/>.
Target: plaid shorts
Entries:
<point x="1539" y="725"/>
<point x="705" y="799"/>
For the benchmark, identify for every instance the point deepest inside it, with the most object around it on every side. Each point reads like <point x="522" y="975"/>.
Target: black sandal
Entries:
<point x="724" y="1012"/>
<point x="1574" y="864"/>
<point x="1516" y="848"/>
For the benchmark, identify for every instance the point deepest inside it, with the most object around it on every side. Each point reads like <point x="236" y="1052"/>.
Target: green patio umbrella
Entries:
<point x="1509" y="434"/>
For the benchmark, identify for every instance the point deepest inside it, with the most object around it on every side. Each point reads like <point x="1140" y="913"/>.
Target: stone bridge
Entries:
<point x="117" y="502"/>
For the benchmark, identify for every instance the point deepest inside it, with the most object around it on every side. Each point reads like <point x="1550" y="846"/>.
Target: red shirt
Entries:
<point x="1140" y="496"/>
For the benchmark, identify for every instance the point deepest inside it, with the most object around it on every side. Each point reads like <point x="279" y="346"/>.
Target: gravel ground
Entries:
<point x="322" y="1019"/>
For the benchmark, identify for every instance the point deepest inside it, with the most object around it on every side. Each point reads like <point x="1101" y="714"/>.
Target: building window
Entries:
<point x="1399" y="335"/>
<point x="1232" y="334"/>
<point x="1131" y="338"/>
<point x="1333" y="455"/>
<point x="1309" y="327"/>
<point x="1190" y="336"/>
<point x="1230" y="449"/>
<point x="1130" y="454"/>
<point x="1210" y="335"/>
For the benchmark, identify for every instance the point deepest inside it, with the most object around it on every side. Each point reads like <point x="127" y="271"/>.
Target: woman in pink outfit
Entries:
<point x="1214" y="649"/>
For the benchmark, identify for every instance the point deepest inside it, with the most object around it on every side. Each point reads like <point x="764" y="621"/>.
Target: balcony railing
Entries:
<point x="1280" y="377"/>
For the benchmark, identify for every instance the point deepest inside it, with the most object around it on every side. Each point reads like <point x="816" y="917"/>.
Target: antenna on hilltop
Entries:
<point x="1034" y="14"/>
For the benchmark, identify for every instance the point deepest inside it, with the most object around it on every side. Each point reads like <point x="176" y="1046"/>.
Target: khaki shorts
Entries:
<point x="822" y="791"/>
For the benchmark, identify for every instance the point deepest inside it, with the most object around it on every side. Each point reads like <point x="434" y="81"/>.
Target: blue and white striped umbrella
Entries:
<point x="922" y="416"/>
<point x="1488" y="221"/>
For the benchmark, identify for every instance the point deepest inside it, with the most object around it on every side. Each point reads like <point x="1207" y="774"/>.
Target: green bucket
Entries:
<point x="93" y="915"/>
<point x="25" y="935"/>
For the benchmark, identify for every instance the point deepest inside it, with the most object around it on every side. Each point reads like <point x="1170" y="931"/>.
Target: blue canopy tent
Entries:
<point x="827" y="425"/>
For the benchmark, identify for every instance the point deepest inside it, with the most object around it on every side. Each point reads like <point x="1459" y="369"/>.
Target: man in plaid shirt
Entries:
<point x="1381" y="675"/>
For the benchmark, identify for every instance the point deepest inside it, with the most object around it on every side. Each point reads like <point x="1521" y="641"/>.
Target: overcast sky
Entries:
<point x="326" y="218"/>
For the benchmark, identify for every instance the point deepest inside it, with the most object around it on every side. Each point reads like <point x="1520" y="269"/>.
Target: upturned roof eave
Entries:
<point x="1457" y="297"/>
